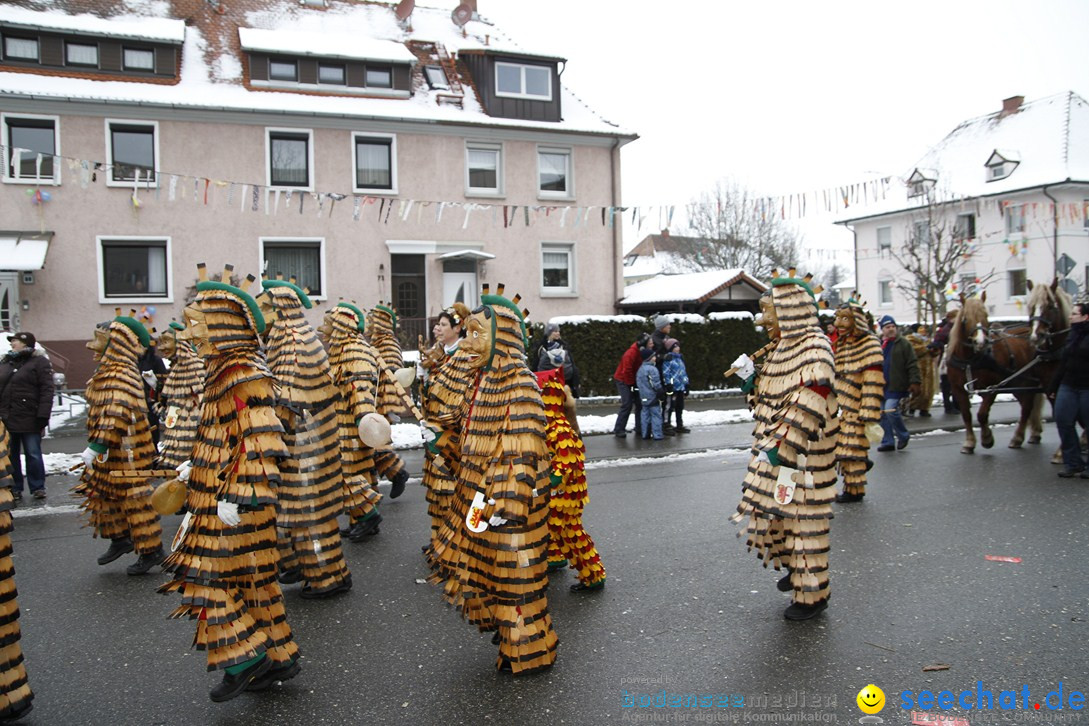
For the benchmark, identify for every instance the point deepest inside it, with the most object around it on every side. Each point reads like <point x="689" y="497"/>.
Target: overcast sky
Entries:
<point x="793" y="96"/>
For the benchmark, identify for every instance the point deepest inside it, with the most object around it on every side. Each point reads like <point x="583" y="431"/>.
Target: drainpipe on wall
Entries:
<point x="618" y="224"/>
<point x="1054" y="230"/>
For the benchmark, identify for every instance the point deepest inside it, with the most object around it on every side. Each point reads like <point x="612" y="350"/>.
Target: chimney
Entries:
<point x="665" y="233"/>
<point x="1011" y="106"/>
<point x="472" y="6"/>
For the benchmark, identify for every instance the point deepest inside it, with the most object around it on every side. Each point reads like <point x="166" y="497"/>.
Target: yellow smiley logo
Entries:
<point x="871" y="699"/>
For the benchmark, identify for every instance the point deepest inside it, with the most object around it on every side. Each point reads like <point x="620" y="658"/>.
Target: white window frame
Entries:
<point x="6" y="161"/>
<point x="154" y="125"/>
<point x="100" y="269"/>
<point x="1008" y="217"/>
<point x="570" y="153"/>
<point x="891" y="285"/>
<point x="498" y="191"/>
<point x="309" y="133"/>
<point x="882" y="248"/>
<point x="1010" y="294"/>
<point x="320" y="241"/>
<point x="522" y="70"/>
<point x="356" y="135"/>
<point x="571" y="290"/>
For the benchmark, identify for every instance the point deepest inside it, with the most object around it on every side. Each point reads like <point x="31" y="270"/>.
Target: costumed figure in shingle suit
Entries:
<point x="120" y="453"/>
<point x="381" y="327"/>
<point x="447" y="375"/>
<point x="310" y="495"/>
<point x="225" y="558"/>
<point x="570" y="543"/>
<point x="491" y="552"/>
<point x="16" y="699"/>
<point x="921" y="401"/>
<point x="179" y="401"/>
<point x="860" y="385"/>
<point x="355" y="369"/>
<point x="790" y="485"/>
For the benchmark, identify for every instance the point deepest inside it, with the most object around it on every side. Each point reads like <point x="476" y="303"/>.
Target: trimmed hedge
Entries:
<point x="709" y="346"/>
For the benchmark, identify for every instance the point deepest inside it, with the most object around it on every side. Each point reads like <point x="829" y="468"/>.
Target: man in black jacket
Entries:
<point x="26" y="400"/>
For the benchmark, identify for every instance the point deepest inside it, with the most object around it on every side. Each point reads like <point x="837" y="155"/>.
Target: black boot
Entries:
<point x="275" y="675"/>
<point x="309" y="593"/>
<point x="798" y="611"/>
<point x="146" y="562"/>
<point x="365" y="528"/>
<point x="12" y="715"/>
<point x="290" y="577"/>
<point x="117" y="548"/>
<point x="231" y="686"/>
<point x="399" y="480"/>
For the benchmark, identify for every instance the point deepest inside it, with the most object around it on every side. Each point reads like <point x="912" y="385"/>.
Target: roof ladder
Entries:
<point x="456" y="94"/>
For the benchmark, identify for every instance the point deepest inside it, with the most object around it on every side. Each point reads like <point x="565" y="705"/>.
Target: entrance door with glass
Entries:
<point x="9" y="301"/>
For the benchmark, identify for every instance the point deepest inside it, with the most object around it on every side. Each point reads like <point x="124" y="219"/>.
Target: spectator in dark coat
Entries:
<point x="937" y="350"/>
<point x="153" y="371"/>
<point x="662" y="326"/>
<point x="26" y="400"/>
<point x="901" y="377"/>
<point x="1070" y="391"/>
<point x="649" y="382"/>
<point x="625" y="385"/>
<point x="556" y="355"/>
<point x="540" y="348"/>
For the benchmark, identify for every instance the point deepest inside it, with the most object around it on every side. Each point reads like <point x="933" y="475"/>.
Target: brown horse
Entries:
<point x="1049" y="320"/>
<point x="987" y="358"/>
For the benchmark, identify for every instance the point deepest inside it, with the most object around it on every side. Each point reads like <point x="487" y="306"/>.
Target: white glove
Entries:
<point x="429" y="434"/>
<point x="763" y="456"/>
<point x="496" y="521"/>
<point x="745" y="367"/>
<point x="149" y="378"/>
<point x="88" y="455"/>
<point x="393" y="418"/>
<point x="228" y="513"/>
<point x="184" y="469"/>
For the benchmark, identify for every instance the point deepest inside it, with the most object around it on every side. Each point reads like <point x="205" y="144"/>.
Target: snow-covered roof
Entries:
<point x="326" y="45"/>
<point x="689" y="287"/>
<point x="1049" y="137"/>
<point x="120" y="26"/>
<point x="211" y="75"/>
<point x="562" y="320"/>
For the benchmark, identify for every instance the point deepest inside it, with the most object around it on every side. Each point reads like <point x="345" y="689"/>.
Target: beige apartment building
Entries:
<point x="374" y="151"/>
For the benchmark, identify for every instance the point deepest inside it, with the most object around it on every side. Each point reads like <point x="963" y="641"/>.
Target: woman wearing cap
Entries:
<point x="26" y="400"/>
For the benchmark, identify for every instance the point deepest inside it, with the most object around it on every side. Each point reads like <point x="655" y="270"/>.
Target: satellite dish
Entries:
<point x="404" y="9"/>
<point x="462" y="14"/>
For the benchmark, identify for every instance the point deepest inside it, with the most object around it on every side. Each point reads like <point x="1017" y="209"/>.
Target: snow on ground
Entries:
<point x="68" y="408"/>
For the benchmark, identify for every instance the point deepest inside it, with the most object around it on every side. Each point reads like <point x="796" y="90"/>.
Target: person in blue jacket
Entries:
<point x="649" y="382"/>
<point x="675" y="381"/>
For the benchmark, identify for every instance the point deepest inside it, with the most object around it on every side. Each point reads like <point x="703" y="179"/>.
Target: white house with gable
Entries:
<point x="1014" y="182"/>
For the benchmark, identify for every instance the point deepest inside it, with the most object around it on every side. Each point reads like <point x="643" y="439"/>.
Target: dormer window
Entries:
<point x="283" y="70"/>
<point x="81" y="55"/>
<point x="331" y="73"/>
<point x="1001" y="164"/>
<point x="21" y="49"/>
<point x="518" y="80"/>
<point x="920" y="182"/>
<point x="139" y="59"/>
<point x="379" y="77"/>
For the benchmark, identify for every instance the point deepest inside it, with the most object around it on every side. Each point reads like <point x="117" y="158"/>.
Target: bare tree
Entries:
<point x="934" y="253"/>
<point x="733" y="228"/>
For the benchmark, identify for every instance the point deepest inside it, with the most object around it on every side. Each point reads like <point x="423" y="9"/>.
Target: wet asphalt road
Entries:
<point x="686" y="609"/>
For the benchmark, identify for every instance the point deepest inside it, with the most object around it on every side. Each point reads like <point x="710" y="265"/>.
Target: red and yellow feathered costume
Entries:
<point x="570" y="543"/>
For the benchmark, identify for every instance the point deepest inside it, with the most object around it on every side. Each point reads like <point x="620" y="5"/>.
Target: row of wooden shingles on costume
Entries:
<point x="490" y="552"/>
<point x="116" y="479"/>
<point x="860" y="384"/>
<point x="16" y="698"/>
<point x="225" y="559"/>
<point x="448" y="373"/>
<point x="790" y="483"/>
<point x="570" y="543"/>
<point x="355" y="370"/>
<point x="380" y="330"/>
<point x="310" y="495"/>
<point x="179" y="401"/>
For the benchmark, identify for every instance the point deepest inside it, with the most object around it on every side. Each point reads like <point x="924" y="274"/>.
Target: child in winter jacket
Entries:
<point x="649" y="383"/>
<point x="675" y="381"/>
